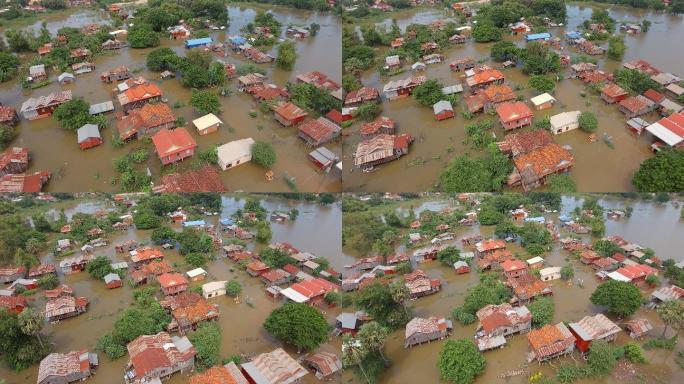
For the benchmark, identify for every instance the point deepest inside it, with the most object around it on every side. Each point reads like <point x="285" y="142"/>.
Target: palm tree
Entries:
<point x="372" y="336"/>
<point x="353" y="353"/>
<point x="671" y="313"/>
<point x="399" y="293"/>
<point x="31" y="323"/>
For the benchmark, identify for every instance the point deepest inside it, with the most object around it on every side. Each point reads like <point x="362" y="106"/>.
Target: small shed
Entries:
<point x="197" y="274"/>
<point x="543" y="101"/>
<point x="112" y="280"/>
<point x="235" y="153"/>
<point x="564" y="122"/>
<point x="104" y="107"/>
<point x="535" y="262"/>
<point x="461" y="267"/>
<point x="443" y="110"/>
<point x="452" y="89"/>
<point x="550" y="273"/>
<point x="207" y="124"/>
<point x="89" y="136"/>
<point x="323" y="158"/>
<point x="66" y="78"/>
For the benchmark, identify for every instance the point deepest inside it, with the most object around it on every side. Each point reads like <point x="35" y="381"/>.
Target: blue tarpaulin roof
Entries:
<point x="573" y="35"/>
<point x="197" y="42"/>
<point x="196" y="223"/>
<point x="226" y="222"/>
<point x="539" y="219"/>
<point x="237" y="40"/>
<point x="538" y="36"/>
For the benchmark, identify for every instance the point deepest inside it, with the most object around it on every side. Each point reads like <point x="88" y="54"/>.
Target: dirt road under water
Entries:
<point x="598" y="168"/>
<point x="55" y="150"/>
<point x="651" y="225"/>
<point x="240" y="323"/>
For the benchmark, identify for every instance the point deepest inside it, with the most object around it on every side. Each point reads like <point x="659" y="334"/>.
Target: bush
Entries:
<point x="205" y="101"/>
<point x="263" y="154"/>
<point x="588" y="122"/>
<point x="233" y="288"/>
<point x="634" y="353"/>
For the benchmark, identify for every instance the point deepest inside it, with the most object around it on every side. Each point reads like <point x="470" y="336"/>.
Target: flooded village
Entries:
<point x="456" y="84"/>
<point x="507" y="288"/>
<point x="183" y="300"/>
<point x="177" y="108"/>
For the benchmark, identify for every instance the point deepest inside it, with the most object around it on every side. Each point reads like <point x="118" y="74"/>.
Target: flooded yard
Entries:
<point x="598" y="168"/>
<point x="54" y="149"/>
<point x="652" y="225"/>
<point x="240" y="323"/>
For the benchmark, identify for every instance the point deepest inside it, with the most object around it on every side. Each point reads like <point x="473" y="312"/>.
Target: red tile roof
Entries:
<point x="487" y="76"/>
<point x="170" y="142"/>
<point x="511" y="265"/>
<point x="381" y="124"/>
<point x="513" y="111"/>
<point x="314" y="287"/>
<point x="290" y="111"/>
<point x="227" y="374"/>
<point x="654" y="95"/>
<point x="613" y="90"/>
<point x="319" y="129"/>
<point x="140" y="92"/>
<point x="169" y="280"/>
<point x="13" y="156"/>
<point x="205" y="179"/>
<point x="550" y="339"/>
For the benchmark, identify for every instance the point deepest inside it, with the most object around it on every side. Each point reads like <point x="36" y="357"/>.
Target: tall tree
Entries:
<point x="373" y="336"/>
<point x="31" y="323"/>
<point x="671" y="313"/>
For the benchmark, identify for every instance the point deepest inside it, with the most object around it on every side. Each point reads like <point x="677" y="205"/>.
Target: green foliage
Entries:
<point x="541" y="83"/>
<point x="196" y="259"/>
<point x="661" y="343"/>
<point x="99" y="267"/>
<point x="205" y="101"/>
<point x="542" y="309"/>
<point x="162" y="234"/>
<point x="312" y="99"/>
<point x="275" y="258"/>
<point x="661" y="173"/>
<point x="466" y="174"/>
<point x="619" y="298"/>
<point x="429" y="93"/>
<point x="8" y="66"/>
<point x="287" y="55"/>
<point x="567" y="272"/>
<point x="73" y="114"/>
<point x="142" y="37"/>
<point x="264" y="233"/>
<point x="634" y="81"/>
<point x="588" y="122"/>
<point x="460" y="362"/>
<point x="486" y="31"/>
<point x="161" y="59"/>
<point x="504" y="50"/>
<point x="263" y="154"/>
<point x="634" y="353"/>
<point x="601" y="358"/>
<point x="484" y="293"/>
<point x="233" y="288"/>
<point x="192" y="240"/>
<point x="207" y="342"/>
<point x="146" y="219"/>
<point x="20" y="350"/>
<point x="561" y="184"/>
<point x="616" y="47"/>
<point x="539" y="59"/>
<point x="449" y="255"/>
<point x="368" y="111"/>
<point x="297" y="324"/>
<point x="49" y="281"/>
<point x="7" y="135"/>
<point x="378" y="301"/>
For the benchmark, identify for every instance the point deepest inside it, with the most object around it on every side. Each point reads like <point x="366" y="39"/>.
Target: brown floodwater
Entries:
<point x="55" y="150"/>
<point x="240" y="324"/>
<point x="651" y="225"/>
<point x="598" y="168"/>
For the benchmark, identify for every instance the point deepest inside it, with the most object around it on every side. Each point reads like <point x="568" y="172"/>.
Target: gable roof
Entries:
<point x="169" y="142"/>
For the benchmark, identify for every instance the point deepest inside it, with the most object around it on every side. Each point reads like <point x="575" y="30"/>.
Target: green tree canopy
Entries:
<point x="619" y="298"/>
<point x="460" y="362"/>
<point x="661" y="173"/>
<point x="297" y="324"/>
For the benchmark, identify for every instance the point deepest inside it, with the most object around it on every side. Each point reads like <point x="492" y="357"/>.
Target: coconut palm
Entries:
<point x="399" y="293"/>
<point x="372" y="336"/>
<point x="671" y="313"/>
<point x="31" y="323"/>
<point x="353" y="353"/>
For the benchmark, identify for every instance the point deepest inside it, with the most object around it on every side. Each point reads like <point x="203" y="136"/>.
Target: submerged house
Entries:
<point x="172" y="283"/>
<point x="612" y="93"/>
<point x="319" y="131"/>
<point x="378" y="126"/>
<point x="443" y="110"/>
<point x="325" y="364"/>
<point x="497" y="94"/>
<point x="43" y="106"/>
<point x="462" y="64"/>
<point x="514" y="115"/>
<point x="424" y="330"/>
<point x="158" y="357"/>
<point x="564" y="122"/>
<point x="419" y="284"/>
<point x="484" y="79"/>
<point x="398" y="89"/>
<point x="191" y="313"/>
<point x="532" y="168"/>
<point x="381" y="149"/>
<point x="503" y="320"/>
<point x="139" y="95"/>
<point x="289" y="114"/>
<point x="520" y="143"/>
<point x="116" y="74"/>
<point x="636" y="106"/>
<point x="196" y="43"/>
<point x="550" y="341"/>
<point x="64" y="368"/>
<point x="235" y="153"/>
<point x="65" y="307"/>
<point x="173" y="146"/>
<point x="206" y="124"/>
<point x="145" y="121"/>
<point x="275" y="367"/>
<point x="669" y="131"/>
<point x="8" y="115"/>
<point x="14" y="160"/>
<point x="591" y="328"/>
<point x="88" y="136"/>
<point x="361" y="96"/>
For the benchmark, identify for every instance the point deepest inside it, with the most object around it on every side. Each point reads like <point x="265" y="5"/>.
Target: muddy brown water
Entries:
<point x="651" y="225"/>
<point x="240" y="324"/>
<point x="598" y="168"/>
<point x="56" y="150"/>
